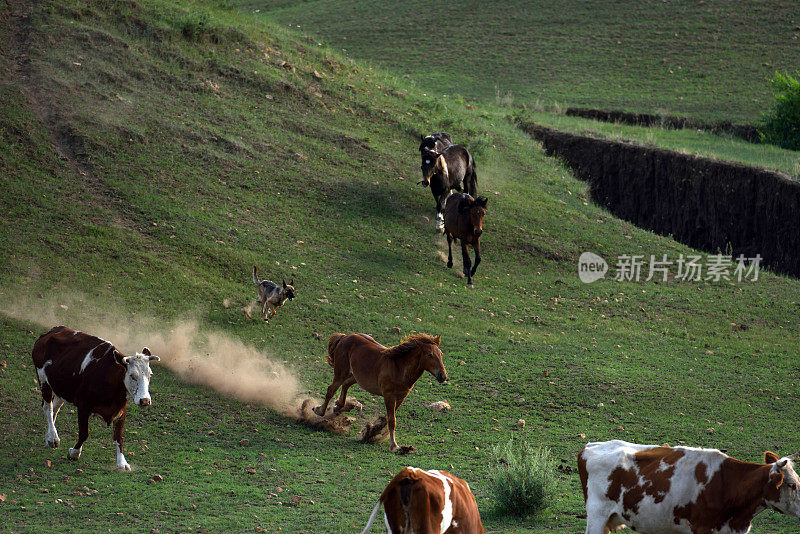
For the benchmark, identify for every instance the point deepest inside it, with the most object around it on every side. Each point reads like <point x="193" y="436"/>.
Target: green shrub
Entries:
<point x="523" y="478"/>
<point x="193" y="24"/>
<point x="782" y="124"/>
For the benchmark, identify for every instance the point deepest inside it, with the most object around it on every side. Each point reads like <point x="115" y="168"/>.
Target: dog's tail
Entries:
<point x="255" y="275"/>
<point x="333" y="342"/>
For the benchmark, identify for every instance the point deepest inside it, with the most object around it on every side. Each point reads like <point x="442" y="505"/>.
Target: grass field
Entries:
<point x="703" y="143"/>
<point x="708" y="60"/>
<point x="151" y="152"/>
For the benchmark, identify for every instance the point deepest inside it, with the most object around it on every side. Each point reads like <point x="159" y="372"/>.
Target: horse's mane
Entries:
<point x="411" y="342"/>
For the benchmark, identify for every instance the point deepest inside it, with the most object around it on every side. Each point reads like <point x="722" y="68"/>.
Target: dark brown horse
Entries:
<point x="454" y="168"/>
<point x="388" y="372"/>
<point x="463" y="219"/>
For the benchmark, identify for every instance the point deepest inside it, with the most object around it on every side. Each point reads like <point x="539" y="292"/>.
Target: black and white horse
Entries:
<point x="454" y="168"/>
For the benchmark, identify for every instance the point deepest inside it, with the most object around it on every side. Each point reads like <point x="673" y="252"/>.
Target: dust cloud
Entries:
<point x="198" y="354"/>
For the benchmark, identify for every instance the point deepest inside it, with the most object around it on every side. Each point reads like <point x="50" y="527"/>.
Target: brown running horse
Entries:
<point x="388" y="372"/>
<point x="463" y="219"/>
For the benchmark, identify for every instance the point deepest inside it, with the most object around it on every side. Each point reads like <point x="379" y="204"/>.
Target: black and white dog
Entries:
<point x="271" y="294"/>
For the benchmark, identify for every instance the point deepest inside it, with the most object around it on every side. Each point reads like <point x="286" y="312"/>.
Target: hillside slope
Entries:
<point x="704" y="59"/>
<point x="152" y="152"/>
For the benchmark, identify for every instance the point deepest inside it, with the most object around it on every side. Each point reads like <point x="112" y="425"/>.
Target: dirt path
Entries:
<point x="18" y="30"/>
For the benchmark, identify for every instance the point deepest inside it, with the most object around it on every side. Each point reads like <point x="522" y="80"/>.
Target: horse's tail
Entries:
<point x="471" y="178"/>
<point x="372" y="517"/>
<point x="333" y="342"/>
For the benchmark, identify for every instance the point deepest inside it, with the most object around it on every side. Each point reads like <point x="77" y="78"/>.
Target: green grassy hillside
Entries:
<point x="703" y="59"/>
<point x="151" y="152"/>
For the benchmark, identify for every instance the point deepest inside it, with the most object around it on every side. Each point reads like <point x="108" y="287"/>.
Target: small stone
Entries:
<point x="440" y="406"/>
<point x="521" y="423"/>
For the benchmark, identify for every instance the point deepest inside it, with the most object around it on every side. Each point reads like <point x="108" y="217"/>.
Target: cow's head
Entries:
<point x="137" y="375"/>
<point x="432" y="163"/>
<point x="782" y="488"/>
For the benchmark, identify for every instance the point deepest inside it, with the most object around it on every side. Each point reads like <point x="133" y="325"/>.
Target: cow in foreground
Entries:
<point x="422" y="502"/>
<point x="682" y="490"/>
<point x="92" y="374"/>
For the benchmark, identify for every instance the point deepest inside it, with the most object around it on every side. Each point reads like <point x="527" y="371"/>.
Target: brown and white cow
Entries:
<point x="90" y="373"/>
<point x="427" y="502"/>
<point x="681" y="490"/>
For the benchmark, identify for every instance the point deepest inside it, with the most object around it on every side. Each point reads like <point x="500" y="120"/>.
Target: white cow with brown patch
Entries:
<point x="92" y="374"/>
<point x="682" y="490"/>
<point x="428" y="502"/>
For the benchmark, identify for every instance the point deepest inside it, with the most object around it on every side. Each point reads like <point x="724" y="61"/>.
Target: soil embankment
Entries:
<point x="707" y="204"/>
<point x="747" y="132"/>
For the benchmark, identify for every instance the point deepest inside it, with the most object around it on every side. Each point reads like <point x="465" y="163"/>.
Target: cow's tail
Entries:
<point x="372" y="517"/>
<point x="333" y="342"/>
<point x="255" y="275"/>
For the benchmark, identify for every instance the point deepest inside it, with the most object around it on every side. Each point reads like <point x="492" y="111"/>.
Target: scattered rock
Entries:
<point x="440" y="406"/>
